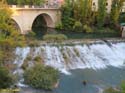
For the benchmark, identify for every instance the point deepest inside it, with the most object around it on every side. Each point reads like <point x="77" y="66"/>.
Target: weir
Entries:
<point x="67" y="57"/>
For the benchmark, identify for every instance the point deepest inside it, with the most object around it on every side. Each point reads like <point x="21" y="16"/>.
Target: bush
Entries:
<point x="68" y="23"/>
<point x="5" y="78"/>
<point x="57" y="37"/>
<point x="59" y="26"/>
<point x="105" y="30"/>
<point x="38" y="60"/>
<point x="31" y="34"/>
<point x="77" y="26"/>
<point x="111" y="90"/>
<point x="25" y="63"/>
<point x="123" y="87"/>
<point x="41" y="77"/>
<point x="33" y="43"/>
<point x="87" y="29"/>
<point x="122" y="18"/>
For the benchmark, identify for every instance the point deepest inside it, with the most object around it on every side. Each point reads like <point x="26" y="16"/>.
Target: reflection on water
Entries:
<point x="41" y="31"/>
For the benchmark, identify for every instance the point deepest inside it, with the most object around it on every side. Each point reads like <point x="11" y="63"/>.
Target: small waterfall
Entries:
<point x="21" y="54"/>
<point x="65" y="58"/>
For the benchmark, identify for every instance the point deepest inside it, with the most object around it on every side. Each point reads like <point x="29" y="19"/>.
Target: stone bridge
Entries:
<point x="25" y="16"/>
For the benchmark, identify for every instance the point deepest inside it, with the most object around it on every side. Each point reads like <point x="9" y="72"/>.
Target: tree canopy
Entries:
<point x="78" y="13"/>
<point x="26" y="2"/>
<point x="9" y="36"/>
<point x="115" y="10"/>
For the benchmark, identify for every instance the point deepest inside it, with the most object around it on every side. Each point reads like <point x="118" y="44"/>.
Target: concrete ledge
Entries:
<point x="33" y="7"/>
<point x="123" y="33"/>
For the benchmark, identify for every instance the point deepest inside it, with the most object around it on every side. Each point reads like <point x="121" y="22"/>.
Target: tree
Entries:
<point x="9" y="36"/>
<point x="123" y="87"/>
<point x="75" y="11"/>
<point x="67" y="16"/>
<point x="115" y="10"/>
<point x="101" y="12"/>
<point x="88" y="11"/>
<point x="7" y="29"/>
<point x="79" y="11"/>
<point x="5" y="78"/>
<point x="83" y="11"/>
<point x="26" y="2"/>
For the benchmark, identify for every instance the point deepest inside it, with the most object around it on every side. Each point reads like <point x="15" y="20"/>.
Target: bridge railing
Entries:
<point x="56" y="6"/>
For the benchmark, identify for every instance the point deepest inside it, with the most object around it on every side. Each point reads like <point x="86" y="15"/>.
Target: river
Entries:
<point x="100" y="64"/>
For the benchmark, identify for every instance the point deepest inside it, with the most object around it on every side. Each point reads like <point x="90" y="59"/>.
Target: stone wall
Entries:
<point x="123" y="31"/>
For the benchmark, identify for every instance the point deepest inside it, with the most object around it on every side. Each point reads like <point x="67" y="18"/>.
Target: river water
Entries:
<point x="97" y="81"/>
<point x="101" y="65"/>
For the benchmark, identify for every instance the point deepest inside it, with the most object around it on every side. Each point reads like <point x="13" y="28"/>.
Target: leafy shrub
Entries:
<point x="122" y="18"/>
<point x="33" y="43"/>
<point x="5" y="78"/>
<point x="37" y="58"/>
<point x="77" y="26"/>
<point x="26" y="62"/>
<point x="52" y="37"/>
<point x="105" y="30"/>
<point x="123" y="87"/>
<point x="24" y="65"/>
<point x="111" y="90"/>
<point x="41" y="77"/>
<point x="59" y="26"/>
<point x="31" y="34"/>
<point x="87" y="29"/>
<point x="77" y="52"/>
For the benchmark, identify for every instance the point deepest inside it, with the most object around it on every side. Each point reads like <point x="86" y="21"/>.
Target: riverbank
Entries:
<point x="9" y="90"/>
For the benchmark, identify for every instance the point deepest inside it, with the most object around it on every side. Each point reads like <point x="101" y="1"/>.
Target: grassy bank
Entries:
<point x="9" y="90"/>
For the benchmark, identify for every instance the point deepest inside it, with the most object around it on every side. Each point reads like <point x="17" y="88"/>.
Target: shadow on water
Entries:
<point x="41" y="31"/>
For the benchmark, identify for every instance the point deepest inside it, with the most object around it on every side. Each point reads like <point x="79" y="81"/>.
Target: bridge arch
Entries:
<point x="16" y="25"/>
<point x="44" y="20"/>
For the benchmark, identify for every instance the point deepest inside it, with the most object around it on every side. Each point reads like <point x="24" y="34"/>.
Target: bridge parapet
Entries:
<point x="35" y="7"/>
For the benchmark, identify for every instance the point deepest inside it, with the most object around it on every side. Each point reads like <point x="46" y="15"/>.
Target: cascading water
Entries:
<point x="21" y="54"/>
<point x="80" y="56"/>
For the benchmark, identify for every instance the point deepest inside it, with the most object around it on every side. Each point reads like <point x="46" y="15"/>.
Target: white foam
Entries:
<point x="65" y="58"/>
<point x="22" y="85"/>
